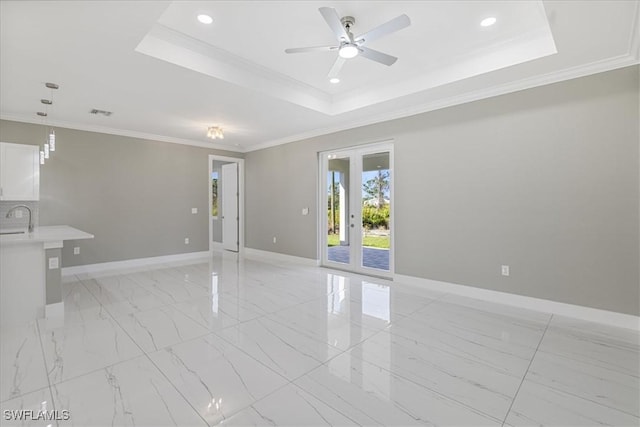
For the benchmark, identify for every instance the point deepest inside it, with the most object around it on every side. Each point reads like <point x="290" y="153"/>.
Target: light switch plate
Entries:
<point x="194" y="210"/>
<point x="54" y="263"/>
<point x="305" y="211"/>
<point x="76" y="250"/>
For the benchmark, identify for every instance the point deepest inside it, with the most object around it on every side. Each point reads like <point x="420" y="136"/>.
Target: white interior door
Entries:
<point x="230" y="219"/>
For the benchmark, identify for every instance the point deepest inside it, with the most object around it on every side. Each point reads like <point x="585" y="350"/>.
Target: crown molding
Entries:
<point x="476" y="95"/>
<point x="120" y="132"/>
<point x="631" y="58"/>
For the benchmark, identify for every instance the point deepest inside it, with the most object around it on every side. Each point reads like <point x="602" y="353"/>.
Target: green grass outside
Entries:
<point x="369" y="241"/>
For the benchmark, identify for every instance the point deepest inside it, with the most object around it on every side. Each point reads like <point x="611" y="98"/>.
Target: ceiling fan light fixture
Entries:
<point x="348" y="51"/>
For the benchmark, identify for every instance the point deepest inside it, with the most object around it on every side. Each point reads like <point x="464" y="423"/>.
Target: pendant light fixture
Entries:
<point x="44" y="152"/>
<point x="52" y="140"/>
<point x="49" y="145"/>
<point x="52" y="133"/>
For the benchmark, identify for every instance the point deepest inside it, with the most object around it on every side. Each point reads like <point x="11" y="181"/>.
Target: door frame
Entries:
<point x="322" y="231"/>
<point x="240" y="163"/>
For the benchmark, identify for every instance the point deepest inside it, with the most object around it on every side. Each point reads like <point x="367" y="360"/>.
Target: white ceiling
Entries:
<point x="166" y="76"/>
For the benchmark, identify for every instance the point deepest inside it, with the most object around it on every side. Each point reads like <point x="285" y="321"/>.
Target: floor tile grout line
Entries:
<point x="110" y="364"/>
<point x="515" y="396"/>
<point x="348" y="350"/>
<point x="612" y="369"/>
<point x="446" y="397"/>
<point x="209" y="332"/>
<point x="213" y="334"/>
<point x="288" y="381"/>
<point x="584" y="398"/>
<point x="46" y="369"/>
<point x="432" y="390"/>
<point x="175" y="388"/>
<point x="148" y="357"/>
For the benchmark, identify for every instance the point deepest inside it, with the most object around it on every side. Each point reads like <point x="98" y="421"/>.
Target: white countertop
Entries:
<point x="46" y="234"/>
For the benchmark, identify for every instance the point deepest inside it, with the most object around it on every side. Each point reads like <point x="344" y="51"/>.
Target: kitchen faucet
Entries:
<point x="28" y="209"/>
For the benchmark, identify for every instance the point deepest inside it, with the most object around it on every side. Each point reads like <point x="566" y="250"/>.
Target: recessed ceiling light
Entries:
<point x="487" y="22"/>
<point x="334" y="80"/>
<point x="205" y="19"/>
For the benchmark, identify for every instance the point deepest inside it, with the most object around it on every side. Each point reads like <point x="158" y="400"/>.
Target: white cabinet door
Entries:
<point x="19" y="172"/>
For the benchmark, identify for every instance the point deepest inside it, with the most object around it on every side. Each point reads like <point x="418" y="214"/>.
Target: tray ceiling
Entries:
<point x="168" y="77"/>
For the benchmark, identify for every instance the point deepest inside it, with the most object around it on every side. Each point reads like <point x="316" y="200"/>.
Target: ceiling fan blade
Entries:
<point x="337" y="66"/>
<point x="330" y="15"/>
<point x="311" y="49"/>
<point x="377" y="56"/>
<point x="392" y="26"/>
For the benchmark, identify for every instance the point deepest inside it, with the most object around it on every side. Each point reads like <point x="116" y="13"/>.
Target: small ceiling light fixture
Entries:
<point x="334" y="80"/>
<point x="205" y="19"/>
<point x="215" y="132"/>
<point x="348" y="51"/>
<point x="487" y="22"/>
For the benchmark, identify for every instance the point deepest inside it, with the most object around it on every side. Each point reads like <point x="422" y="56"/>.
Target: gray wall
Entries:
<point x="545" y="180"/>
<point x="134" y="195"/>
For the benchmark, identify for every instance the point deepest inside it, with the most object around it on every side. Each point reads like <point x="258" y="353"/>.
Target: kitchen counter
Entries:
<point x="30" y="278"/>
<point x="49" y="235"/>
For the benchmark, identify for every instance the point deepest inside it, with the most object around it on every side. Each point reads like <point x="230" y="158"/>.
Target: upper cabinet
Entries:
<point x="19" y="172"/>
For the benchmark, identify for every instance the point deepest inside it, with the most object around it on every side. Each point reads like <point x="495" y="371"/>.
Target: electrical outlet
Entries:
<point x="17" y="213"/>
<point x="54" y="263"/>
<point x="194" y="210"/>
<point x="274" y="239"/>
<point x="186" y="240"/>
<point x="505" y="270"/>
<point x="76" y="250"/>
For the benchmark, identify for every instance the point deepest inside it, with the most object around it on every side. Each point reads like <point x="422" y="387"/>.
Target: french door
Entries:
<point x="356" y="205"/>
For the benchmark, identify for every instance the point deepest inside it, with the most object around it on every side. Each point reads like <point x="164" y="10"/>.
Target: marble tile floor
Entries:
<point x="243" y="342"/>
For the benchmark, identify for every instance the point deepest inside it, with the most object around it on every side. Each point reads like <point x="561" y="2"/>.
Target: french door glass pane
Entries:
<point x="338" y="173"/>
<point x="375" y="203"/>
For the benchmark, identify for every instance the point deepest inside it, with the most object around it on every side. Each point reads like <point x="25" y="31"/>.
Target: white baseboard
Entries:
<point x="275" y="256"/>
<point x="590" y="314"/>
<point x="133" y="263"/>
<point x="54" y="311"/>
<point x="215" y="246"/>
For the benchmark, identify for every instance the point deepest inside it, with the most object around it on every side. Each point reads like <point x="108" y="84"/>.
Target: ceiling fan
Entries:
<point x="349" y="46"/>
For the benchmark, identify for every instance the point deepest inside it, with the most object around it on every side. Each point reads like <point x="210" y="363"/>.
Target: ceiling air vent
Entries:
<point x="102" y="112"/>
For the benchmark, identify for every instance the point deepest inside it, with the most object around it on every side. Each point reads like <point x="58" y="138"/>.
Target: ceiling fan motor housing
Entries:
<point x="347" y="23"/>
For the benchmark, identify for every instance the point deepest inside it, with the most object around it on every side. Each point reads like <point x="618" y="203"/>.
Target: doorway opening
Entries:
<point x="226" y="203"/>
<point x="356" y="227"/>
